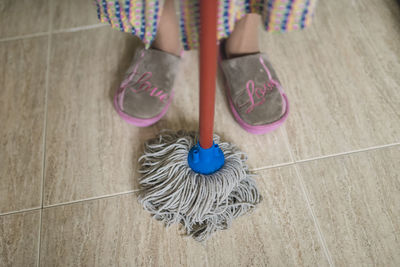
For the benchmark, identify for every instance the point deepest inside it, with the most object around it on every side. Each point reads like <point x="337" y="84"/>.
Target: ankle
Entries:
<point x="167" y="38"/>
<point x="244" y="38"/>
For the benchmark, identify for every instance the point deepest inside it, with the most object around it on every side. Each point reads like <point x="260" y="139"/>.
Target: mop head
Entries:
<point x="203" y="204"/>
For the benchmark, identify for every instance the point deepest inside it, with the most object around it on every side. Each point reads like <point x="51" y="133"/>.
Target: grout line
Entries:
<point x="325" y="157"/>
<point x="308" y="204"/>
<point x="71" y="202"/>
<point x="91" y="198"/>
<point x="349" y="152"/>
<point x="26" y="36"/>
<point x="18" y="211"/>
<point x="39" y="236"/>
<point x="39" y="34"/>
<point x="47" y="78"/>
<point x="314" y="217"/>
<point x="272" y="166"/>
<point x="81" y="28"/>
<point x="47" y="84"/>
<point x="288" y="148"/>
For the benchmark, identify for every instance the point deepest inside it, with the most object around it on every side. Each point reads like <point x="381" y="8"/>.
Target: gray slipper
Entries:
<point x="147" y="90"/>
<point x="255" y="95"/>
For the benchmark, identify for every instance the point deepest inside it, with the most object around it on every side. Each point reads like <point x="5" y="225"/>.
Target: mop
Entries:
<point x="197" y="180"/>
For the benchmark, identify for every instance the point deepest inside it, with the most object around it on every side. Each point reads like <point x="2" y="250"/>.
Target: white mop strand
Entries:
<point x="173" y="193"/>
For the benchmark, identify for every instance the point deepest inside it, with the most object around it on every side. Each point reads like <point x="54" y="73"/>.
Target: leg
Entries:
<point x="244" y="38"/>
<point x="167" y="38"/>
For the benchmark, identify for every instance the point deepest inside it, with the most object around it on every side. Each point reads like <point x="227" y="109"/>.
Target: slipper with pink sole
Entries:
<point x="147" y="90"/>
<point x="254" y="93"/>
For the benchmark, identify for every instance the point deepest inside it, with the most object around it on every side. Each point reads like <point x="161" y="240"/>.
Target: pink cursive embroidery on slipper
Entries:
<point x="143" y="84"/>
<point x="257" y="95"/>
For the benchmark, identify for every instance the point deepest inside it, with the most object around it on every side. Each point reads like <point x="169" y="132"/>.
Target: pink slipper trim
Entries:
<point x="137" y="121"/>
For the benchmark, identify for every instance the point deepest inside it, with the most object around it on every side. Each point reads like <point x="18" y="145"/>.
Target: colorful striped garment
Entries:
<point x="141" y="17"/>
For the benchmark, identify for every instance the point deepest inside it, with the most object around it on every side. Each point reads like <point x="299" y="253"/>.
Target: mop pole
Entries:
<point x="207" y="157"/>
<point x="208" y="70"/>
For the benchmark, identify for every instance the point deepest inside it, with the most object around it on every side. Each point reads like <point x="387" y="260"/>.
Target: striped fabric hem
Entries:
<point x="141" y="17"/>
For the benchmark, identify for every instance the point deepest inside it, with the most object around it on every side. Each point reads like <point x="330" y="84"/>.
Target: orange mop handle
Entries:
<point x="208" y="70"/>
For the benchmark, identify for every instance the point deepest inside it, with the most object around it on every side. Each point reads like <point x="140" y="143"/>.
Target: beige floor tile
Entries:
<point x="117" y="230"/>
<point x="279" y="233"/>
<point x="22" y="96"/>
<point x="356" y="200"/>
<point x="19" y="239"/>
<point x="342" y="77"/>
<point x="114" y="231"/>
<point x="73" y="13"/>
<point x="90" y="150"/>
<point x="20" y="17"/>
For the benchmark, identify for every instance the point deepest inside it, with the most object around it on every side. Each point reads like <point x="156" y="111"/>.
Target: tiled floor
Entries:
<point x="330" y="177"/>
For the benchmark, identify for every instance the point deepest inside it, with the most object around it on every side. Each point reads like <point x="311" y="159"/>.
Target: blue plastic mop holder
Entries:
<point x="206" y="161"/>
